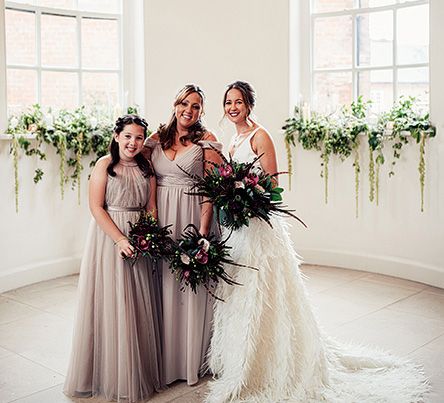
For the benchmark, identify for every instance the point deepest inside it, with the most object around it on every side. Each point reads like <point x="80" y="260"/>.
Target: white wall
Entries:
<point x="212" y="44"/>
<point x="45" y="238"/>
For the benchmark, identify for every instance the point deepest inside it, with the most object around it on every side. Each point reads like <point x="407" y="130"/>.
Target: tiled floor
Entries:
<point x="400" y="315"/>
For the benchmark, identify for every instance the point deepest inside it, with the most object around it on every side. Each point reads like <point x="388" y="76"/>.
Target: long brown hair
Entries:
<point x="167" y="132"/>
<point x="247" y="91"/>
<point x="142" y="162"/>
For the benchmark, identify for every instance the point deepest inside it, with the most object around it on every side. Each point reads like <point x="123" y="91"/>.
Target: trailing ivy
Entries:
<point x="340" y="135"/>
<point x="74" y="135"/>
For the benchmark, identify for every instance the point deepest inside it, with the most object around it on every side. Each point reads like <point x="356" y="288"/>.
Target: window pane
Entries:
<point x="321" y="6"/>
<point x="100" y="43"/>
<point x="108" y="6"/>
<point x="375" y="3"/>
<point x="375" y="33"/>
<point x="100" y="88"/>
<point x="59" y="41"/>
<point x="413" y="35"/>
<point x="378" y="87"/>
<point x="21" y="89"/>
<point x="331" y="90"/>
<point x="20" y="37"/>
<point x="333" y="42"/>
<point x="414" y="82"/>
<point x="59" y="89"/>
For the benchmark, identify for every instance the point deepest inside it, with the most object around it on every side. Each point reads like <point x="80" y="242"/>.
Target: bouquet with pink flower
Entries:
<point x="240" y="191"/>
<point x="148" y="239"/>
<point x="199" y="260"/>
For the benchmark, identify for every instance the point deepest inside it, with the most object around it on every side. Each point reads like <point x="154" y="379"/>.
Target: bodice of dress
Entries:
<point x="175" y="172"/>
<point x="243" y="152"/>
<point x="128" y="189"/>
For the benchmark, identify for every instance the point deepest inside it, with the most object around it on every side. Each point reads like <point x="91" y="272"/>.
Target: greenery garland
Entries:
<point x="338" y="134"/>
<point x="73" y="133"/>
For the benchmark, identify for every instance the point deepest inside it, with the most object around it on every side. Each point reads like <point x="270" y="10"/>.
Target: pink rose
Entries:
<point x="202" y="256"/>
<point x="251" y="179"/>
<point x="142" y="243"/>
<point x="225" y="170"/>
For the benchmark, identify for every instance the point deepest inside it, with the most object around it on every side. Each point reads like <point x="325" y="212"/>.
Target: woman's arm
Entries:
<point x="152" y="201"/>
<point x="97" y="189"/>
<point x="206" y="212"/>
<point x="262" y="143"/>
<point x="147" y="150"/>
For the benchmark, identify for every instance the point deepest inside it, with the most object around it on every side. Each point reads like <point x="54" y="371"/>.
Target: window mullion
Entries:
<point x="3" y="91"/>
<point x="38" y="47"/>
<point x="355" y="45"/>
<point x="395" y="55"/>
<point x="79" y="59"/>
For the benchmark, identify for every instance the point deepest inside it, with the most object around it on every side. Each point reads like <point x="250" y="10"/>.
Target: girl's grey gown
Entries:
<point x="116" y="350"/>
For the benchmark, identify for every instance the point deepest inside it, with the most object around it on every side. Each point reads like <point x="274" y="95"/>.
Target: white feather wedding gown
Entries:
<point x="267" y="346"/>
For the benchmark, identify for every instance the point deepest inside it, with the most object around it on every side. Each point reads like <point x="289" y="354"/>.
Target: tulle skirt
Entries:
<point x="116" y="349"/>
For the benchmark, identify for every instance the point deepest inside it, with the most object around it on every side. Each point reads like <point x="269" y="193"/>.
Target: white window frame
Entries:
<point x="131" y="62"/>
<point x="307" y="89"/>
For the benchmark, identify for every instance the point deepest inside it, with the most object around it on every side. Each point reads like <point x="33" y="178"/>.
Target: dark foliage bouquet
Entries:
<point x="240" y="191"/>
<point x="199" y="260"/>
<point x="149" y="239"/>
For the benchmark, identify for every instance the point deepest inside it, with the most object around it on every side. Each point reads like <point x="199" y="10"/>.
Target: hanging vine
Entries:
<point x="74" y="135"/>
<point x="339" y="135"/>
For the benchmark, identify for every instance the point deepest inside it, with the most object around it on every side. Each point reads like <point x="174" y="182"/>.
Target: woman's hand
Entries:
<point x="125" y="248"/>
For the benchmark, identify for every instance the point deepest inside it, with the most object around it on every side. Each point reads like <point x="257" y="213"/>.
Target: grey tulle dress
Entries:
<point x="116" y="350"/>
<point x="187" y="316"/>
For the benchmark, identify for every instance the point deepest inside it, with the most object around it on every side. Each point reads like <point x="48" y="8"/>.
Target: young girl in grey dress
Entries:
<point x="116" y="349"/>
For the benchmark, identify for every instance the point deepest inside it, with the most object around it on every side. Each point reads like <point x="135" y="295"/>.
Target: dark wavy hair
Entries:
<point x="142" y="162"/>
<point x="167" y="132"/>
<point x="247" y="91"/>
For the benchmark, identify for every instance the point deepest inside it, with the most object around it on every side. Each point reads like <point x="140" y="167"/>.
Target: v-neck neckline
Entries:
<point x="178" y="156"/>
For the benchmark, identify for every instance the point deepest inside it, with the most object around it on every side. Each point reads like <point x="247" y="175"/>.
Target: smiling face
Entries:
<point x="235" y="108"/>
<point x="130" y="141"/>
<point x="189" y="110"/>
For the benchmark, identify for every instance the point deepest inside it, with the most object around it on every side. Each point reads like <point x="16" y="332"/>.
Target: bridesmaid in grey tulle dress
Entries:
<point x="116" y="350"/>
<point x="183" y="143"/>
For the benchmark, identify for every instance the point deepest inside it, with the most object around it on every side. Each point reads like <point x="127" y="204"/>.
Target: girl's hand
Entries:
<point x="125" y="248"/>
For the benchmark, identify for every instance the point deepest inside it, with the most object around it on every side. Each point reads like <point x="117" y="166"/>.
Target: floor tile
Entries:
<point x="398" y="282"/>
<point x="319" y="278"/>
<point x="20" y="377"/>
<point x="42" y="296"/>
<point x="332" y="311"/>
<point x="5" y="353"/>
<point x="369" y="292"/>
<point x="11" y="310"/>
<point x="398" y="332"/>
<point x="425" y="303"/>
<point x="43" y="338"/>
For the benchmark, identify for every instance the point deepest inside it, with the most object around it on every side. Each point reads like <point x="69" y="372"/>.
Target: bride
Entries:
<point x="266" y="345"/>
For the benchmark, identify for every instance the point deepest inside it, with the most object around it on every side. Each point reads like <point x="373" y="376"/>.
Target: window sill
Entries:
<point x="28" y="136"/>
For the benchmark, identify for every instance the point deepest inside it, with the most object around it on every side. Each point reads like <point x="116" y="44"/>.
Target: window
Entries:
<point x="63" y="53"/>
<point x="375" y="48"/>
